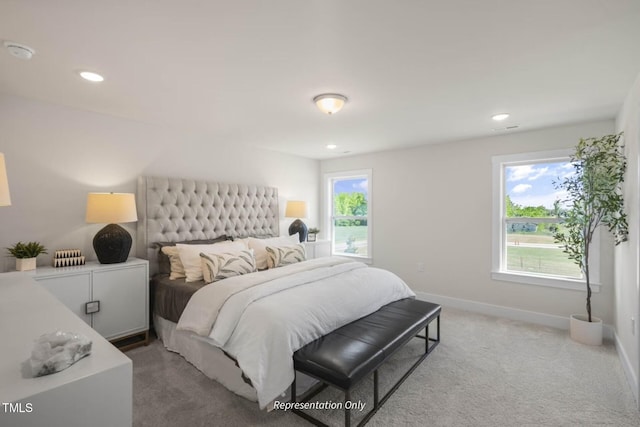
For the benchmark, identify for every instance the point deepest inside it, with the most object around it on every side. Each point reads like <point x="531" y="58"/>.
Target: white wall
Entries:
<point x="56" y="155"/>
<point x="432" y="204"/>
<point x="627" y="254"/>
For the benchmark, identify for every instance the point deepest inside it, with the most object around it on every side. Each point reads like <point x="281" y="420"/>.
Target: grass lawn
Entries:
<point x="530" y="238"/>
<point x="541" y="260"/>
<point x="358" y="232"/>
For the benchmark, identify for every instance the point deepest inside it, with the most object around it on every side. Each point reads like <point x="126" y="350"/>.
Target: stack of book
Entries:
<point x="68" y="258"/>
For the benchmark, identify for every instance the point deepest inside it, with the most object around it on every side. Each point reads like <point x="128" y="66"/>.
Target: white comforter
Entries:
<point x="262" y="318"/>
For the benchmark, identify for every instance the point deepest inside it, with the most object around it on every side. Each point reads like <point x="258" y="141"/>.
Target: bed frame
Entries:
<point x="176" y="210"/>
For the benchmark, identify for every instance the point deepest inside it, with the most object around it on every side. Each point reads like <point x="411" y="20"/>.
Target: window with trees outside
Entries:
<point x="527" y="213"/>
<point x="348" y="201"/>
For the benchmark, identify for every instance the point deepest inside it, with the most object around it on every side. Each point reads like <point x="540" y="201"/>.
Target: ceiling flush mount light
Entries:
<point x="330" y="103"/>
<point x="500" y="117"/>
<point x="92" y="77"/>
<point x="332" y="146"/>
<point x="505" y="128"/>
<point x="19" y="50"/>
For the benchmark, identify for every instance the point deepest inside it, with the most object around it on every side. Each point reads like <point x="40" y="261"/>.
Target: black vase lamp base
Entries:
<point x="112" y="244"/>
<point x="299" y="227"/>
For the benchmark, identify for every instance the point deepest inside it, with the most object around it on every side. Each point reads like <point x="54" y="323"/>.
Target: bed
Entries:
<point x="242" y="330"/>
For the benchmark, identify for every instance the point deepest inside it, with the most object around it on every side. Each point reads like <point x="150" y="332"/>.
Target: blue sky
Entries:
<point x="532" y="184"/>
<point x="356" y="185"/>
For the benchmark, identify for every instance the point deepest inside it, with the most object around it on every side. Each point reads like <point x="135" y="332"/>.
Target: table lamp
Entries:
<point x="5" y="198"/>
<point x="297" y="209"/>
<point x="112" y="243"/>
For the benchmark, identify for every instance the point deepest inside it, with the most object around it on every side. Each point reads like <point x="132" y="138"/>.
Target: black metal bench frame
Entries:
<point x="430" y="344"/>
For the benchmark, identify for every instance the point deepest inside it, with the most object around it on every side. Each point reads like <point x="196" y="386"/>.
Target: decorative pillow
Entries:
<point x="285" y="255"/>
<point x="177" y="269"/>
<point x="164" y="261"/>
<point x="259" y="247"/>
<point x="228" y="264"/>
<point x="190" y="256"/>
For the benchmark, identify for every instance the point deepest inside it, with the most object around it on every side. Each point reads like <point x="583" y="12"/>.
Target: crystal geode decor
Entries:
<point x="56" y="351"/>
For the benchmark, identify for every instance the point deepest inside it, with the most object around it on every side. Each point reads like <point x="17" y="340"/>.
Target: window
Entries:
<point x="348" y="213"/>
<point x="525" y="207"/>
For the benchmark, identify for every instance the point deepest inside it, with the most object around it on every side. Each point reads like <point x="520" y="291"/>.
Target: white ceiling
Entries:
<point x="244" y="72"/>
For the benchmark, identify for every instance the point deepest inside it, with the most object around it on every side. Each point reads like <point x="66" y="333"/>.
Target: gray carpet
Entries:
<point x="486" y="372"/>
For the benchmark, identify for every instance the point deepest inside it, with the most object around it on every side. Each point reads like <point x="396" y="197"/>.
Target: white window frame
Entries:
<point x="498" y="267"/>
<point x="328" y="220"/>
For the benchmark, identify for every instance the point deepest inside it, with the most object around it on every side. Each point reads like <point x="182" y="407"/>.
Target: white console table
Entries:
<point x="96" y="391"/>
<point x="120" y="290"/>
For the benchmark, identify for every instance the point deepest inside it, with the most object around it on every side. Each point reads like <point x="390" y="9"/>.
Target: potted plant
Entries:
<point x="313" y="232"/>
<point x="594" y="198"/>
<point x="26" y="254"/>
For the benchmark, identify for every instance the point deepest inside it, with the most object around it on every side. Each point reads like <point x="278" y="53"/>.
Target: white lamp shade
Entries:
<point x="330" y="103"/>
<point x="5" y="198"/>
<point x="296" y="209"/>
<point x="111" y="208"/>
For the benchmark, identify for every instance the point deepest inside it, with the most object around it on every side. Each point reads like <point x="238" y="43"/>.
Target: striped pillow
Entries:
<point x="223" y="265"/>
<point x="285" y="255"/>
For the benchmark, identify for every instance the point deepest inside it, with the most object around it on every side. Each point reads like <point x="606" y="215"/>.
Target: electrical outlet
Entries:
<point x="420" y="267"/>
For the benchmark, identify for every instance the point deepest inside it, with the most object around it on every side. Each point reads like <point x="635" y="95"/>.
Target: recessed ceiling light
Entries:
<point x="332" y="146"/>
<point x="92" y="77"/>
<point x="500" y="117"/>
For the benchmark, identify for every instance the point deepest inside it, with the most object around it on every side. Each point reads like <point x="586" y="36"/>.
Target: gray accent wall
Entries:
<point x="56" y="155"/>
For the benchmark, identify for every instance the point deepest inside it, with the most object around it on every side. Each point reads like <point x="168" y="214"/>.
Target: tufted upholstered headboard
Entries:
<point x="175" y="210"/>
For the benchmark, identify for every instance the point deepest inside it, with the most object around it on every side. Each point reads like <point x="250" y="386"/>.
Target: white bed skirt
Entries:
<point x="211" y="360"/>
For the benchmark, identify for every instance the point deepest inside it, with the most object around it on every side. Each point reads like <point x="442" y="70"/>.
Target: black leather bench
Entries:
<point x="345" y="356"/>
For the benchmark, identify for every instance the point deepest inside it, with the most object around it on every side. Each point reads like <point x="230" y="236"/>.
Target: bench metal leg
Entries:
<point x="375" y="388"/>
<point x="426" y="342"/>
<point x="347" y="412"/>
<point x="293" y="387"/>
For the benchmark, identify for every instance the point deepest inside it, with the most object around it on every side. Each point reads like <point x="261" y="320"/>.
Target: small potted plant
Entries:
<point x="313" y="232"/>
<point x="25" y="254"/>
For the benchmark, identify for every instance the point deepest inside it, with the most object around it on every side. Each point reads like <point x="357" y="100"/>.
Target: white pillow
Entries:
<point x="259" y="247"/>
<point x="190" y="256"/>
<point x="228" y="264"/>
<point x="285" y="255"/>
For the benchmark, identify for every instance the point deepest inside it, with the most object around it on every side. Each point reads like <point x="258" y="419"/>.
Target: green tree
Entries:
<point x="350" y="204"/>
<point x="514" y="210"/>
<point x="509" y="207"/>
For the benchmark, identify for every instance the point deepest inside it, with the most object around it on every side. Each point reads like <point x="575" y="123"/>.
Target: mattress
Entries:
<point x="214" y="363"/>
<point x="170" y="297"/>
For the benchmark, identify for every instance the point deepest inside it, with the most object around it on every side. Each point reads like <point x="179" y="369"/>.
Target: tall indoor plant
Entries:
<point x="594" y="198"/>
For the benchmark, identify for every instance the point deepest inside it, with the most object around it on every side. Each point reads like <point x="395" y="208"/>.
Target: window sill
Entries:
<point x="364" y="259"/>
<point x="551" y="282"/>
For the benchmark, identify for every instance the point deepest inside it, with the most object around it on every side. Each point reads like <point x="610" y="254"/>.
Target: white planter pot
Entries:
<point x="25" y="264"/>
<point x="585" y="332"/>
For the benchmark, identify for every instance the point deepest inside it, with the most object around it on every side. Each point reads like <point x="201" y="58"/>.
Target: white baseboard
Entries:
<point x="544" y="319"/>
<point x="628" y="370"/>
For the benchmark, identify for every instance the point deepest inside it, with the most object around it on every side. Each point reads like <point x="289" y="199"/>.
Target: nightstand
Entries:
<point x="318" y="249"/>
<point x="112" y="298"/>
